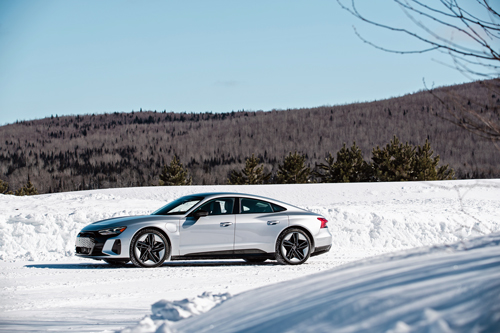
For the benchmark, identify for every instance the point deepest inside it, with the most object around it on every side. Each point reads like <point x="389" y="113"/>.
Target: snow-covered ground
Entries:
<point x="44" y="287"/>
<point x="433" y="289"/>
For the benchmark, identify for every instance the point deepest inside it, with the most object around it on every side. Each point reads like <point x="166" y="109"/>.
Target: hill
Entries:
<point x="129" y="149"/>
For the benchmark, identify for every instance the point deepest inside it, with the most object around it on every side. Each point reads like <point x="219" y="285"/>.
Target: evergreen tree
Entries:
<point x="349" y="167"/>
<point x="174" y="174"/>
<point x="4" y="186"/>
<point x="326" y="172"/>
<point x="28" y="189"/>
<point x="426" y="167"/>
<point x="394" y="162"/>
<point x="293" y="170"/>
<point x="251" y="174"/>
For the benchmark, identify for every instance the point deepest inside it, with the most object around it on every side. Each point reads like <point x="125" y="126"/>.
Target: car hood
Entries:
<point x="125" y="221"/>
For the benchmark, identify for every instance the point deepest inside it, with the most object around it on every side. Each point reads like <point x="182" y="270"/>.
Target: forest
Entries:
<point x="125" y="149"/>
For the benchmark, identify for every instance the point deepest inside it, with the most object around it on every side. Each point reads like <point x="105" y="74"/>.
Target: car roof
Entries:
<point x="212" y="195"/>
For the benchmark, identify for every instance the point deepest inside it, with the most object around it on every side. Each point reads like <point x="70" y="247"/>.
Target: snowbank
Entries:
<point x="381" y="216"/>
<point x="165" y="312"/>
<point x="432" y="289"/>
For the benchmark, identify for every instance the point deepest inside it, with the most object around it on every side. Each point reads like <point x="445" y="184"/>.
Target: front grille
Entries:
<point x="85" y="242"/>
<point x="84" y="245"/>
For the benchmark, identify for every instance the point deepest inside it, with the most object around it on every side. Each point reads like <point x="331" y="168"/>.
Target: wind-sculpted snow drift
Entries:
<point x="452" y="288"/>
<point x="379" y="216"/>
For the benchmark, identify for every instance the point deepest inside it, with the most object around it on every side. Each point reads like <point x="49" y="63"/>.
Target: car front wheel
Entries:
<point x="293" y="247"/>
<point x="149" y="248"/>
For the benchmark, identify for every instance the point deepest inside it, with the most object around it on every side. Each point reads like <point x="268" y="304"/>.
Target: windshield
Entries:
<point x="179" y="206"/>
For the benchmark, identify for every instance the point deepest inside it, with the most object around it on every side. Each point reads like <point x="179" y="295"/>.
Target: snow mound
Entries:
<point x="165" y="311"/>
<point x="433" y="289"/>
<point x="380" y="216"/>
<point x="188" y="307"/>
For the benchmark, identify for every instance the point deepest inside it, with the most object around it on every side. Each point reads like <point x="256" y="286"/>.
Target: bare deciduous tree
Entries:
<point x="468" y="31"/>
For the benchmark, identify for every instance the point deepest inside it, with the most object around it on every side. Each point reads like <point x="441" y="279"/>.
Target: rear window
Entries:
<point x="277" y="208"/>
<point x="252" y="206"/>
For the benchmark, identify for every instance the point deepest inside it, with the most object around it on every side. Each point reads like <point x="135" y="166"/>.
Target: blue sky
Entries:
<point x="76" y="57"/>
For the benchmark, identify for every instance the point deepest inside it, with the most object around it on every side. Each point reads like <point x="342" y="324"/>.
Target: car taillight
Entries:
<point x="323" y="222"/>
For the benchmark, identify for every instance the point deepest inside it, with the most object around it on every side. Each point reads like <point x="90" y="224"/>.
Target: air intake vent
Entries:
<point x="117" y="247"/>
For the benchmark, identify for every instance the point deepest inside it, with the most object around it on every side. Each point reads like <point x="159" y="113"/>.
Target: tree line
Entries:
<point x="130" y="149"/>
<point x="394" y="162"/>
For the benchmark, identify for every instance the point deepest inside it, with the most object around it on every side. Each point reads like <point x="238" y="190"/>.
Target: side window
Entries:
<point x="277" y="208"/>
<point x="219" y="206"/>
<point x="252" y="206"/>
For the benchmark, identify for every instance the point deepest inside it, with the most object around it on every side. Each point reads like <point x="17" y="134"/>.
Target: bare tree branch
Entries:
<point x="476" y="57"/>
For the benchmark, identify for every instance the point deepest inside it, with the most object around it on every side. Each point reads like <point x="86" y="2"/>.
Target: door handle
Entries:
<point x="272" y="222"/>
<point x="225" y="224"/>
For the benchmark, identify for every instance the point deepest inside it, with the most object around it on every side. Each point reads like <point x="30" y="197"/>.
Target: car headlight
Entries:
<point x="112" y="231"/>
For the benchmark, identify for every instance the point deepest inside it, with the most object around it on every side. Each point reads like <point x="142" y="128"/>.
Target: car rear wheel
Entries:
<point x="149" y="248"/>
<point x="293" y="247"/>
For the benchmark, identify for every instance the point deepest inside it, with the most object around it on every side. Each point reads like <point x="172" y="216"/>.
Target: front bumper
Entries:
<point x="94" y="245"/>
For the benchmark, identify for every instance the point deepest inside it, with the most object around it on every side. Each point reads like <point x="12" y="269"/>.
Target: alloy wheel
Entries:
<point x="149" y="249"/>
<point x="294" y="247"/>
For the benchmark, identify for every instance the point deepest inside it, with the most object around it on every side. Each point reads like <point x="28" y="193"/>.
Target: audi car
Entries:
<point x="209" y="226"/>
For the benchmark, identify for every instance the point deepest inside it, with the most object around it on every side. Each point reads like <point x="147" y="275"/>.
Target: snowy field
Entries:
<point x="43" y="287"/>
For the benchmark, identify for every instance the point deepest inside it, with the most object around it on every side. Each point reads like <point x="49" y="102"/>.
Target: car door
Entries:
<point x="212" y="233"/>
<point x="258" y="225"/>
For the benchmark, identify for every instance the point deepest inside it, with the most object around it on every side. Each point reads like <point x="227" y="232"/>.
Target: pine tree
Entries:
<point x="398" y="162"/>
<point x="4" y="186"/>
<point x="326" y="172"/>
<point x="349" y="166"/>
<point x="251" y="174"/>
<point x="174" y="174"/>
<point x="426" y="167"/>
<point x="28" y="189"/>
<point x="394" y="162"/>
<point x="293" y="170"/>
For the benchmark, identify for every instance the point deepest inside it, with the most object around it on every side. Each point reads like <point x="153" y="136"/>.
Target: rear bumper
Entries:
<point x="321" y="250"/>
<point x="323" y="239"/>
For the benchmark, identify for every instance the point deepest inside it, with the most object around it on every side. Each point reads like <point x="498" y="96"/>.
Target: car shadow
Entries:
<point x="103" y="265"/>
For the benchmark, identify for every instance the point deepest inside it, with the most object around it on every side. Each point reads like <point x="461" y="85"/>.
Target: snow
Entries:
<point x="378" y="216"/>
<point x="44" y="287"/>
<point x="433" y="289"/>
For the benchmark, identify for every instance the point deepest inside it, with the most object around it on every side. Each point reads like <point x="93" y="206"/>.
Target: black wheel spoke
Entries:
<point x="141" y="245"/>
<point x="158" y="247"/>
<point x="287" y="243"/>
<point x="302" y="245"/>
<point x="154" y="257"/>
<point x="290" y="254"/>
<point x="144" y="255"/>
<point x="299" y="255"/>
<point x="150" y="239"/>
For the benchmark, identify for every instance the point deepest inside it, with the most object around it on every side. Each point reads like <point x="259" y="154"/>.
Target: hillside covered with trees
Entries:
<point x="131" y="149"/>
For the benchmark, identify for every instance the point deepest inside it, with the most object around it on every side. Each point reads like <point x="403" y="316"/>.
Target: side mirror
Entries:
<point x="200" y="213"/>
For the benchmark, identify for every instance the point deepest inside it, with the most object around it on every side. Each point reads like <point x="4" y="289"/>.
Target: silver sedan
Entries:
<point x="209" y="226"/>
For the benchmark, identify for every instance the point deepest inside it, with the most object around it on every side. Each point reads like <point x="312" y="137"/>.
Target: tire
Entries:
<point x="255" y="260"/>
<point x="116" y="262"/>
<point x="149" y="248"/>
<point x="293" y="247"/>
